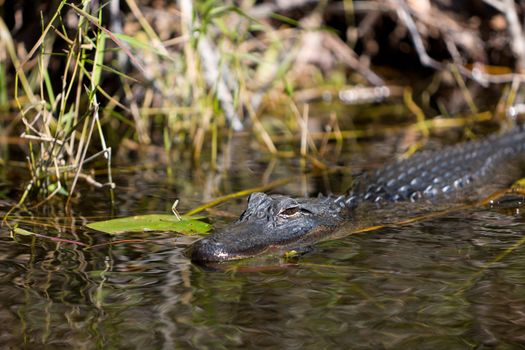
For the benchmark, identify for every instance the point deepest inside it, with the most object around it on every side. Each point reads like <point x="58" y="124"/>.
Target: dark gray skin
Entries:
<point x="457" y="174"/>
<point x="271" y="222"/>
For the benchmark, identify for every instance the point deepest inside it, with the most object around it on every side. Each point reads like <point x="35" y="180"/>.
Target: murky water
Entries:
<point x="455" y="282"/>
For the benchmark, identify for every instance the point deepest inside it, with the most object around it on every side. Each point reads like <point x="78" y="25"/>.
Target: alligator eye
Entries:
<point x="289" y="211"/>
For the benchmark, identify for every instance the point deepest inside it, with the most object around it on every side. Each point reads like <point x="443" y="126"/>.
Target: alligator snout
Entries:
<point x="207" y="250"/>
<point x="236" y="241"/>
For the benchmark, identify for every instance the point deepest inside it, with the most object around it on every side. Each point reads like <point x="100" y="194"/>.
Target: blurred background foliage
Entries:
<point x="82" y="80"/>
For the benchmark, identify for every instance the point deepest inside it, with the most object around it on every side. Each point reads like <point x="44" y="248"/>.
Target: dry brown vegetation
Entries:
<point x="79" y="79"/>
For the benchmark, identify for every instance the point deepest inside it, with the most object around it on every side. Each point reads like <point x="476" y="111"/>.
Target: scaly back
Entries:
<point x="458" y="171"/>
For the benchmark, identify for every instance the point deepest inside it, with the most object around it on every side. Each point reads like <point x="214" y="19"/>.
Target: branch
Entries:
<point x="508" y="8"/>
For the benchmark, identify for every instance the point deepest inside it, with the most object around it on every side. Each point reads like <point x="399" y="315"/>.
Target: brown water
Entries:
<point x="455" y="282"/>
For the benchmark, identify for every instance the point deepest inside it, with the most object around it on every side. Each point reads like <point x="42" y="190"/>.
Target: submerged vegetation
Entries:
<point x="81" y="80"/>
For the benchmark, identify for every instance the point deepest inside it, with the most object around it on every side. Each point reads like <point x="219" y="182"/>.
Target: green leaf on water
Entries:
<point x="153" y="222"/>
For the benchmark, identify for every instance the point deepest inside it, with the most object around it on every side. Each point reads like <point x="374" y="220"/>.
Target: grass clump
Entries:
<point x="97" y="76"/>
<point x="181" y="76"/>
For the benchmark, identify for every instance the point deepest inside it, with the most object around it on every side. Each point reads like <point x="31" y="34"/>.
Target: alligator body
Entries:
<point x="457" y="174"/>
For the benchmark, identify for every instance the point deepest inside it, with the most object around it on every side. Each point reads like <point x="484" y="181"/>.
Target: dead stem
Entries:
<point x="196" y="73"/>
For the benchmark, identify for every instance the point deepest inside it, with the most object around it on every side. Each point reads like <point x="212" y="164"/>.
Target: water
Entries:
<point x="454" y="282"/>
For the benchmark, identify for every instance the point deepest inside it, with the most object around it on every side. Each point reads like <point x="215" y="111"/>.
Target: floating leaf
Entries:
<point x="152" y="222"/>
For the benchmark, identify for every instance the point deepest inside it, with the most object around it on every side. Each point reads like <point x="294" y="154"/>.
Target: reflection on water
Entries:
<point x="454" y="282"/>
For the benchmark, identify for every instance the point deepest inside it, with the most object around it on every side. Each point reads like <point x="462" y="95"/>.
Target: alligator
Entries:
<point x="461" y="173"/>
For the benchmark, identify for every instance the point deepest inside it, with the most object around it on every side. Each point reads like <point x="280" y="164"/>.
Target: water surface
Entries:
<point x="454" y="282"/>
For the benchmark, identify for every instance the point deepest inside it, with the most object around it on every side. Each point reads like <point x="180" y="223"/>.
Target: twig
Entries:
<point x="475" y="74"/>
<point x="406" y="18"/>
<point x="517" y="42"/>
<point x="90" y="180"/>
<point x="348" y="56"/>
<point x="84" y="151"/>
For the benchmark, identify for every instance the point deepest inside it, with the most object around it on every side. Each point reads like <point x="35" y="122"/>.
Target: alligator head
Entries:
<point x="271" y="223"/>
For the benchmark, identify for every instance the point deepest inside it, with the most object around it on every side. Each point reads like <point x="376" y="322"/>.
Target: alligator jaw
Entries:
<point x="270" y="224"/>
<point x="232" y="243"/>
